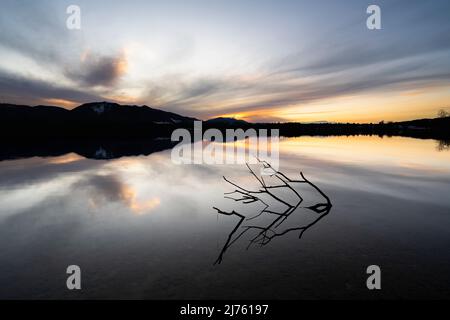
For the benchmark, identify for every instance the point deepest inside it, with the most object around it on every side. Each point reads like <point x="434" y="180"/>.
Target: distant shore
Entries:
<point x="110" y="121"/>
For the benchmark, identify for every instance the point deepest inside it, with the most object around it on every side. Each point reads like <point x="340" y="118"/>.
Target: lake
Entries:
<point x="145" y="228"/>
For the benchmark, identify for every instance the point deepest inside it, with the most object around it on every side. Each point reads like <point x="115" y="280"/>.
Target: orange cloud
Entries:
<point x="61" y="103"/>
<point x="71" y="157"/>
<point x="129" y="197"/>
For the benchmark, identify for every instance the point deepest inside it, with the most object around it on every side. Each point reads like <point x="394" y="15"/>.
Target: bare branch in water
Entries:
<point x="265" y="234"/>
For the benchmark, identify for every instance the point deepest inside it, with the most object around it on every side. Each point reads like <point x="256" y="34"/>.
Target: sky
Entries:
<point x="257" y="60"/>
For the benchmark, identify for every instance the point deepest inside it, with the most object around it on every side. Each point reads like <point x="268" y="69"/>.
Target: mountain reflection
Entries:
<point x="108" y="149"/>
<point x="99" y="149"/>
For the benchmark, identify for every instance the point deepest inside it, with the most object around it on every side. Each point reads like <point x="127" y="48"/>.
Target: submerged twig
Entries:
<point x="265" y="234"/>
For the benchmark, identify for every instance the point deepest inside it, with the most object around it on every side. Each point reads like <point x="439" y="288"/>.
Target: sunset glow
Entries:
<point x="222" y="59"/>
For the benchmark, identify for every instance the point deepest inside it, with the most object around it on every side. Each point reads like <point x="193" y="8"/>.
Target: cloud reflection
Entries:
<point x="110" y="188"/>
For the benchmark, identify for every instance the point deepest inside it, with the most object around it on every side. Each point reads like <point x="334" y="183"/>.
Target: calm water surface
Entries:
<point x="142" y="227"/>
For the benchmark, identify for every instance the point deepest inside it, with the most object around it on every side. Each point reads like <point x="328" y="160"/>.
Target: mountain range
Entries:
<point x="98" y="119"/>
<point x="106" y="120"/>
<point x="103" y="130"/>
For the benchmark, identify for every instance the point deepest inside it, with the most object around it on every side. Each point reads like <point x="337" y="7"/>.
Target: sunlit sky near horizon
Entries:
<point x="259" y="60"/>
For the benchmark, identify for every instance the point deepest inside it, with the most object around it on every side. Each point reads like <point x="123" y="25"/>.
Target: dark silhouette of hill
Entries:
<point x="103" y="130"/>
<point x="91" y="120"/>
<point x="438" y="128"/>
<point x="226" y="122"/>
<point x="113" y="121"/>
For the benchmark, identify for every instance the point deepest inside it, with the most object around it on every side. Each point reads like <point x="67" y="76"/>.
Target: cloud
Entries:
<point x="96" y="70"/>
<point x="207" y="97"/>
<point x="345" y="59"/>
<point x="36" y="29"/>
<point x="17" y="89"/>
